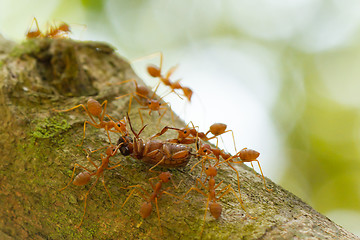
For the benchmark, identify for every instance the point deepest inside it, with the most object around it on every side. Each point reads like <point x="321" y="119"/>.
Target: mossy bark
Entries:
<point x="38" y="151"/>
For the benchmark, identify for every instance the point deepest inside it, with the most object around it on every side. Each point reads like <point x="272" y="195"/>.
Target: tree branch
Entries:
<point x="38" y="151"/>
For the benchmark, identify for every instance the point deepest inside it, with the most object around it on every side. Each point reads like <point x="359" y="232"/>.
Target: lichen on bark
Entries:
<point x="38" y="151"/>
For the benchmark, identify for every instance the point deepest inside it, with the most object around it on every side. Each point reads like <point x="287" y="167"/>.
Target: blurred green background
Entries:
<point x="284" y="75"/>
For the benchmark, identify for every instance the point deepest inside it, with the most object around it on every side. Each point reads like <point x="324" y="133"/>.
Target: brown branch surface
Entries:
<point x="38" y="151"/>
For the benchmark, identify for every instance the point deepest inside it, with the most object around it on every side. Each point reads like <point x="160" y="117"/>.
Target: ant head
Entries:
<point x="154" y="104"/>
<point x="211" y="171"/>
<point x="187" y="92"/>
<point x="204" y="149"/>
<point x="121" y="126"/>
<point x="64" y="27"/>
<point x="154" y="71"/>
<point x="110" y="151"/>
<point x="165" y="177"/>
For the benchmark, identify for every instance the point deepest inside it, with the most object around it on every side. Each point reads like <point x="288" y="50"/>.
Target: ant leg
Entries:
<point x="201" y="161"/>
<point x="98" y="149"/>
<point x="131" y="193"/>
<point x="107" y="191"/>
<point x="72" y="176"/>
<point x="89" y="159"/>
<point x="158" y="214"/>
<point x="151" y="169"/>
<point x="82" y="141"/>
<point x="192" y="189"/>
<point x="170" y="194"/>
<point x="82" y="219"/>
<point x="263" y="176"/>
<point x="141" y="117"/>
<point x="107" y="131"/>
<point x="238" y="177"/>
<point x="104" y="110"/>
<point x="207" y="205"/>
<point x="228" y="189"/>
<point x="80" y="105"/>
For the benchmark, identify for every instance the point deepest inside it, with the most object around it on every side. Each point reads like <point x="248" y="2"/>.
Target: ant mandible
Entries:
<point x="94" y="109"/>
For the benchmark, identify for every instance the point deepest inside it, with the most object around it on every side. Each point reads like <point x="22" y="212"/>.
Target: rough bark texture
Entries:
<point x="38" y="151"/>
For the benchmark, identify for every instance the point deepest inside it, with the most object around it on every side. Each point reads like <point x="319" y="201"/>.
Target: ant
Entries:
<point x="184" y="137"/>
<point x="94" y="109"/>
<point x="154" y="152"/>
<point x="211" y="195"/>
<point x="141" y="95"/>
<point x="84" y="177"/>
<point x="248" y="155"/>
<point x="61" y="31"/>
<point x="34" y="34"/>
<point x="146" y="207"/>
<point x="155" y="72"/>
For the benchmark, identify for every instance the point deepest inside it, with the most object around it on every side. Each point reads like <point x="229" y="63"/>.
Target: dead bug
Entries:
<point x="94" y="109"/>
<point x="155" y="152"/>
<point x="146" y="207"/>
<point x="84" y="177"/>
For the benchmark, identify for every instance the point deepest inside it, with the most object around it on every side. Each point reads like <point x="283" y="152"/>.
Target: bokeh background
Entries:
<point x="283" y="75"/>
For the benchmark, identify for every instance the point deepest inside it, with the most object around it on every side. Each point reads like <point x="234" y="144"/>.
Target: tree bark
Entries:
<point x="38" y="151"/>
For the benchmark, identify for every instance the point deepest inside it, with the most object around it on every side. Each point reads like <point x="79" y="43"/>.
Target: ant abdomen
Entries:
<point x="146" y="209"/>
<point x="94" y="107"/>
<point x="82" y="179"/>
<point x="248" y="154"/>
<point x="215" y="209"/>
<point x="153" y="71"/>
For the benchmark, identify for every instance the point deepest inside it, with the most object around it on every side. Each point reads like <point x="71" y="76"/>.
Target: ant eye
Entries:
<point x="159" y="103"/>
<point x="185" y="132"/>
<point x="207" y="168"/>
<point x="118" y="125"/>
<point x="169" y="178"/>
<point x="149" y="102"/>
<point x="205" y="150"/>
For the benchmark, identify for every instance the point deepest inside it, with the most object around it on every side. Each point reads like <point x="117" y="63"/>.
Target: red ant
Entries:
<point x="84" y="177"/>
<point x="184" y="133"/>
<point x="155" y="72"/>
<point x="61" y="31"/>
<point x="153" y="151"/>
<point x="146" y="207"/>
<point x="94" y="109"/>
<point x="34" y="34"/>
<point x="247" y="155"/>
<point x="141" y="95"/>
<point x="211" y="195"/>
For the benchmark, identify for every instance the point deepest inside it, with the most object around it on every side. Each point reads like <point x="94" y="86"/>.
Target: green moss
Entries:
<point x="1" y="64"/>
<point x="49" y="128"/>
<point x="27" y="47"/>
